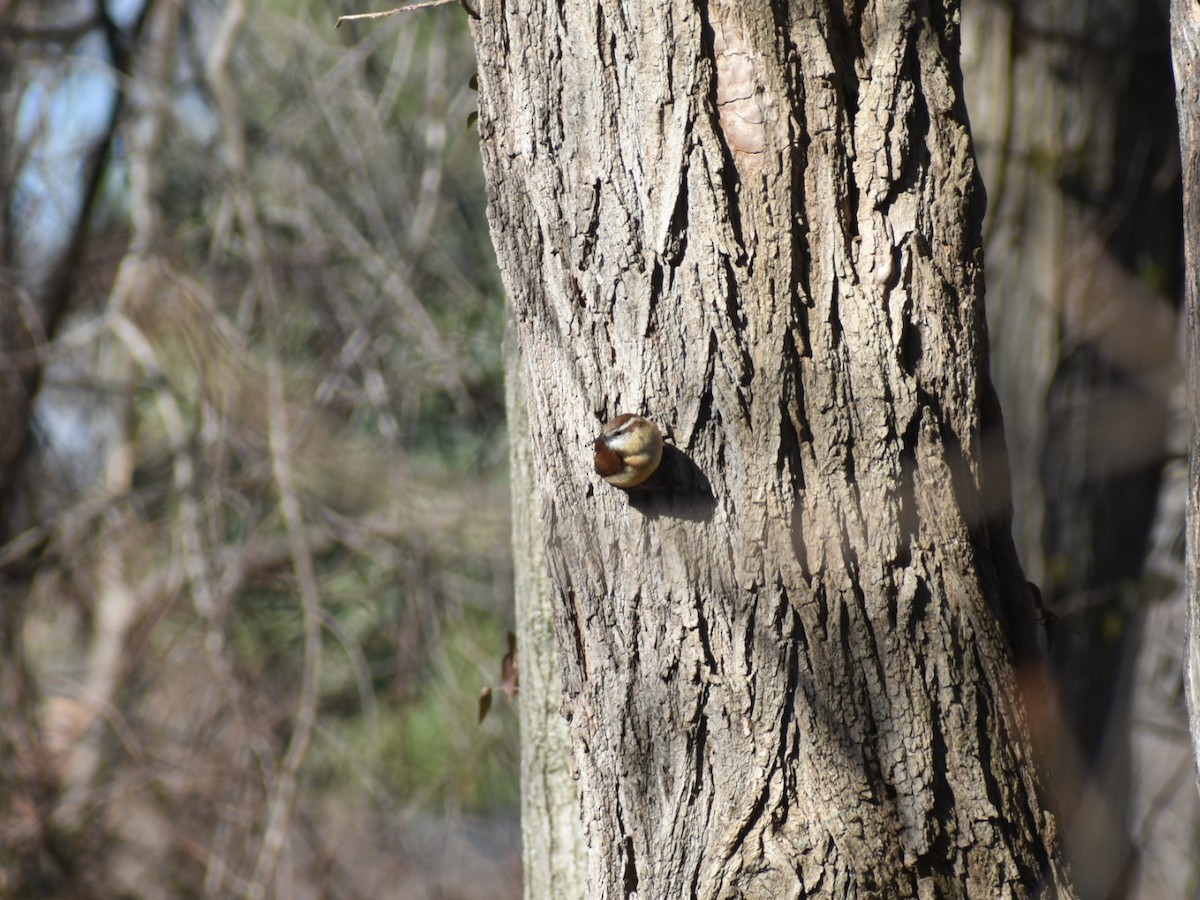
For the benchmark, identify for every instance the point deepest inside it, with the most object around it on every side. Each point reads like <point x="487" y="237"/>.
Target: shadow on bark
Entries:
<point x="677" y="490"/>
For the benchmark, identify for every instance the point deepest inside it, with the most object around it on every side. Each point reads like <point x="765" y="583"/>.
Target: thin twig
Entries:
<point x="392" y="12"/>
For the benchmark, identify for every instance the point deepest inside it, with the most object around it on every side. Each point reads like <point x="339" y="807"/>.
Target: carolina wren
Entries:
<point x="628" y="450"/>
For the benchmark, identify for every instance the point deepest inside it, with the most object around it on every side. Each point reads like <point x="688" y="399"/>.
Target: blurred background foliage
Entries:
<point x="255" y="547"/>
<point x="1073" y="117"/>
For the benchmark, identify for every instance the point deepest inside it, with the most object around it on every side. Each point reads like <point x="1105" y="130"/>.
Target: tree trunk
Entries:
<point x="1185" y="43"/>
<point x="1073" y="117"/>
<point x="788" y="667"/>
<point x="554" y="856"/>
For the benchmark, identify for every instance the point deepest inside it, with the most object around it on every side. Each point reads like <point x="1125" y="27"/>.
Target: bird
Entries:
<point x="628" y="450"/>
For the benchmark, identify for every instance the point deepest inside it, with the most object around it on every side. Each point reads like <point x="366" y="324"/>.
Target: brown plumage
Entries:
<point x="628" y="451"/>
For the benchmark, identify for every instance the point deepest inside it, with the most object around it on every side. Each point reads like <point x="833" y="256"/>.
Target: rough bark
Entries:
<point x="1185" y="43"/>
<point x="788" y="670"/>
